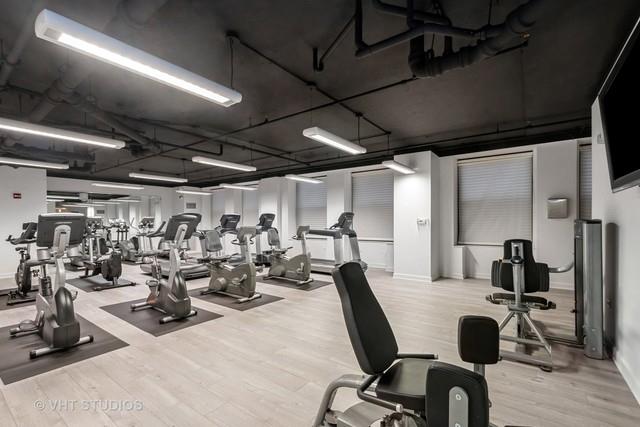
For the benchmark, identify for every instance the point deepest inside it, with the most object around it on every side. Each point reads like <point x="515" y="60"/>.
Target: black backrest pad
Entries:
<point x="536" y="275"/>
<point x="273" y="238"/>
<point x="371" y="336"/>
<point x="441" y="378"/>
<point x="478" y="340"/>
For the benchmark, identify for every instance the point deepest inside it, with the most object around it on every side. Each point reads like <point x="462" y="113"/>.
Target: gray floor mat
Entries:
<point x="148" y="319"/>
<point x="15" y="364"/>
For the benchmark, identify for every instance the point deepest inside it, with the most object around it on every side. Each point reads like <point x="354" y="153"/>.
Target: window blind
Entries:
<point x="495" y="199"/>
<point x="249" y="207"/>
<point x="372" y="202"/>
<point x="311" y="204"/>
<point x="585" y="181"/>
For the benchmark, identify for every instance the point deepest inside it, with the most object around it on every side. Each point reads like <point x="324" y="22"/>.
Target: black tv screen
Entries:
<point x="620" y="114"/>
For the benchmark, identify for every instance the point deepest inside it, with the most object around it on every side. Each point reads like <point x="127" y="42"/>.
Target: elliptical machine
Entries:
<point x="296" y="269"/>
<point x="55" y="320"/>
<point x="239" y="281"/>
<point x="171" y="296"/>
<point x="102" y="260"/>
<point x="23" y="274"/>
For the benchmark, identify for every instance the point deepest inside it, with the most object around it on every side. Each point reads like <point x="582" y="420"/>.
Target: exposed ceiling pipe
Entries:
<point x="131" y="13"/>
<point x="418" y="14"/>
<point x="26" y="32"/>
<point x="77" y="101"/>
<point x="363" y="49"/>
<point x="40" y="154"/>
<point x="513" y="32"/>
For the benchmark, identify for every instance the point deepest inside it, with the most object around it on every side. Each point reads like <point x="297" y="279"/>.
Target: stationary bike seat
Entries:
<point x="504" y="298"/>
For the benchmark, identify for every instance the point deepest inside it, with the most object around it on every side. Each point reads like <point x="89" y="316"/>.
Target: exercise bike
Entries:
<point x="133" y="248"/>
<point x="235" y="281"/>
<point x="24" y="274"/>
<point x="170" y="296"/>
<point x="55" y="320"/>
<point x="103" y="259"/>
<point x="296" y="269"/>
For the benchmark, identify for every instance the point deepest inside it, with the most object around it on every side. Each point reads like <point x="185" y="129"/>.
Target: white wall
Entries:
<point x="555" y="174"/>
<point x="413" y="253"/>
<point x="620" y="214"/>
<point x="32" y="184"/>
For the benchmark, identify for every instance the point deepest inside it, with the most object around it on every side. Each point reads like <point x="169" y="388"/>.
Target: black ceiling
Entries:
<point x="534" y="94"/>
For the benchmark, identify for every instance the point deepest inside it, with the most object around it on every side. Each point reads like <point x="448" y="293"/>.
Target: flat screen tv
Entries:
<point x="619" y="100"/>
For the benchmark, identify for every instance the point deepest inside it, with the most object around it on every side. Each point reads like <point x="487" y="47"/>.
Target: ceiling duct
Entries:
<point x="131" y="14"/>
<point x="490" y="40"/>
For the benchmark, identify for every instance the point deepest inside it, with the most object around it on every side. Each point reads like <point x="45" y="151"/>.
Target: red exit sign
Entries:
<point x="17" y="195"/>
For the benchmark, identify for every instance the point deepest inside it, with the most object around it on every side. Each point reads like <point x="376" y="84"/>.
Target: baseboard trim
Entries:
<point x="413" y="277"/>
<point x="627" y="374"/>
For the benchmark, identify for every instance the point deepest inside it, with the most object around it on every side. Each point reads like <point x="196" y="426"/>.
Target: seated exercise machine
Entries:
<point x="265" y="224"/>
<point x="133" y="247"/>
<point x="55" y="320"/>
<point x="344" y="227"/>
<point x="407" y="389"/>
<point x="170" y="296"/>
<point x="102" y="259"/>
<point x="588" y="306"/>
<point x="24" y="274"/>
<point x="297" y="268"/>
<point x="191" y="268"/>
<point x="235" y="281"/>
<point x="519" y="273"/>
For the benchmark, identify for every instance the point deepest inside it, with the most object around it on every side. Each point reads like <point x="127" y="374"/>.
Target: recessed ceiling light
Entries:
<point x="303" y="179"/>
<point x="238" y="187"/>
<point x="123" y="186"/>
<point x="32" y="163"/>
<point x="327" y="138"/>
<point x="61" y="134"/>
<point x="398" y="167"/>
<point x="222" y="164"/>
<point x="63" y="31"/>
<point x="156" y="177"/>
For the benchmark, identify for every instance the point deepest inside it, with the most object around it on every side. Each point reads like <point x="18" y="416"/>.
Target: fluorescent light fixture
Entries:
<point x="50" y="196"/>
<point x="129" y="200"/>
<point x="64" y="135"/>
<point x="63" y="31"/>
<point x="238" y="187"/>
<point x="332" y="140"/>
<point x="303" y="179"/>
<point x="122" y="186"/>
<point x="398" y="167"/>
<point x="195" y="193"/>
<point x="32" y="163"/>
<point x="222" y="164"/>
<point x="156" y="177"/>
<point x="83" y="205"/>
<point x="104" y="202"/>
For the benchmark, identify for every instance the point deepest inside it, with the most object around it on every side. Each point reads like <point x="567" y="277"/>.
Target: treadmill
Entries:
<point x="344" y="227"/>
<point x="190" y="267"/>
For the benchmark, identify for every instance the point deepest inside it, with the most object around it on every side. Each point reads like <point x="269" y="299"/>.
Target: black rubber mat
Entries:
<point x="94" y="283"/>
<point x="15" y="364"/>
<point x="291" y="285"/>
<point x="4" y="297"/>
<point x="231" y="302"/>
<point x="149" y="319"/>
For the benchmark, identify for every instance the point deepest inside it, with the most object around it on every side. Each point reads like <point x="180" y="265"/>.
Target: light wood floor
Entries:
<point x="270" y="365"/>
